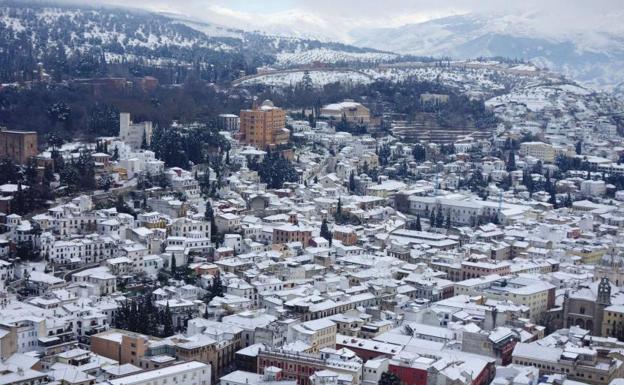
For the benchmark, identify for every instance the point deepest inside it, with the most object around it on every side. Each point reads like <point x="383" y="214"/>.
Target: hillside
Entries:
<point x="72" y="41"/>
<point x="594" y="58"/>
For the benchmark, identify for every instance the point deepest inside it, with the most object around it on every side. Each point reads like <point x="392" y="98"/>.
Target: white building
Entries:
<point x="134" y="133"/>
<point x="186" y="373"/>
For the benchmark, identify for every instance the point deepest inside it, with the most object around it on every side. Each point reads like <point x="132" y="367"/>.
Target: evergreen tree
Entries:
<point x="204" y="183"/>
<point x="9" y="172"/>
<point x="174" y="268"/>
<point x="275" y="170"/>
<point x="306" y="82"/>
<point x="19" y="201"/>
<point x="553" y="198"/>
<point x="389" y="378"/>
<point x="167" y="322"/>
<point x="48" y="174"/>
<point x="511" y="162"/>
<point x="419" y="152"/>
<point x="432" y="219"/>
<point x="579" y="147"/>
<point x="339" y="207"/>
<point x="216" y="290"/>
<point x="324" y="230"/>
<point x="448" y="220"/>
<point x="352" y="182"/>
<point x="144" y="145"/>
<point x="439" y="218"/>
<point x="418" y="225"/>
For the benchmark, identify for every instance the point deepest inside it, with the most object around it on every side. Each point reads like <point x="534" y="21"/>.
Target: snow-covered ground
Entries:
<point x="319" y="78"/>
<point x="324" y="55"/>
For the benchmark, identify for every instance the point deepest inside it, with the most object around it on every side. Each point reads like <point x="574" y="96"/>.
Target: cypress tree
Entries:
<point x="173" y="266"/>
<point x="511" y="161"/>
<point x="418" y="225"/>
<point x="167" y="322"/>
<point x="439" y="218"/>
<point x="352" y="182"/>
<point x="324" y="230"/>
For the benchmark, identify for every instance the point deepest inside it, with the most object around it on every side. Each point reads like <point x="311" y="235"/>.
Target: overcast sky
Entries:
<point x="336" y="18"/>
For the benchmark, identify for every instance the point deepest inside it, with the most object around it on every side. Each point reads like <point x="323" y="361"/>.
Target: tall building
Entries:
<point x="19" y="146"/>
<point x="132" y="133"/>
<point x="264" y="126"/>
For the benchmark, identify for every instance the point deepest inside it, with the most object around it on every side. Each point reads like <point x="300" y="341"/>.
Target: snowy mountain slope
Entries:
<point x="79" y="41"/>
<point x="324" y="55"/>
<point x="596" y="58"/>
<point x="319" y="78"/>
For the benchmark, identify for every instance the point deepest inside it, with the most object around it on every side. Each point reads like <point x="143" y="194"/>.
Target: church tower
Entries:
<point x="604" y="292"/>
<point x="603" y="299"/>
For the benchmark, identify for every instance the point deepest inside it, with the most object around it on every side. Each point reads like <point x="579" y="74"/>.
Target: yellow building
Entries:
<point x="613" y="321"/>
<point x="264" y="126"/>
<point x="539" y="150"/>
<point x="319" y="334"/>
<point x="590" y="255"/>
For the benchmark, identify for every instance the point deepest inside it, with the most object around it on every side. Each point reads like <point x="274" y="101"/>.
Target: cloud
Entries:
<point x="336" y="19"/>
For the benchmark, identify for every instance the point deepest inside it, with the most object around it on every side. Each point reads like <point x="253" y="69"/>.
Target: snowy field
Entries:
<point x="323" y="55"/>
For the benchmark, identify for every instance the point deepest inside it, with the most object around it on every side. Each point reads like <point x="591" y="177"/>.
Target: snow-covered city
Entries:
<point x="183" y="202"/>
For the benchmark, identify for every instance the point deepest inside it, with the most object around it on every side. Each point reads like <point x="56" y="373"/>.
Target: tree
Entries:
<point x="418" y="225"/>
<point x="419" y="152"/>
<point x="511" y="161"/>
<point x="105" y="182"/>
<point x="48" y="173"/>
<point x="9" y="172"/>
<point x="306" y="82"/>
<point x="20" y="205"/>
<point x="216" y="290"/>
<point x="432" y="219"/>
<point x="440" y="218"/>
<point x="174" y="268"/>
<point x="339" y="207"/>
<point x="579" y="147"/>
<point x="553" y="198"/>
<point x="389" y="378"/>
<point x="167" y="322"/>
<point x="324" y="230"/>
<point x="24" y="251"/>
<point x="144" y="145"/>
<point x="352" y="182"/>
<point x="275" y="170"/>
<point x="448" y="220"/>
<point x="204" y="183"/>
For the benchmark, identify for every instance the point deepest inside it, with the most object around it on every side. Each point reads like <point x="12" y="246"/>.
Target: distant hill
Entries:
<point x="595" y="57"/>
<point x="83" y="41"/>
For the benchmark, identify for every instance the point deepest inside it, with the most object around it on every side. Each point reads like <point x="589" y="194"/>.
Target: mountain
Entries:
<point x="89" y="41"/>
<point x="594" y="58"/>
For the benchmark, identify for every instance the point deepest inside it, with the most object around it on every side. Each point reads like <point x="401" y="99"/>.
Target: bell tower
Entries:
<point x="604" y="292"/>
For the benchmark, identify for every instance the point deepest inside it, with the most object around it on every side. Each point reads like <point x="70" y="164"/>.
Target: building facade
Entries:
<point x="264" y="126"/>
<point x="18" y="146"/>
